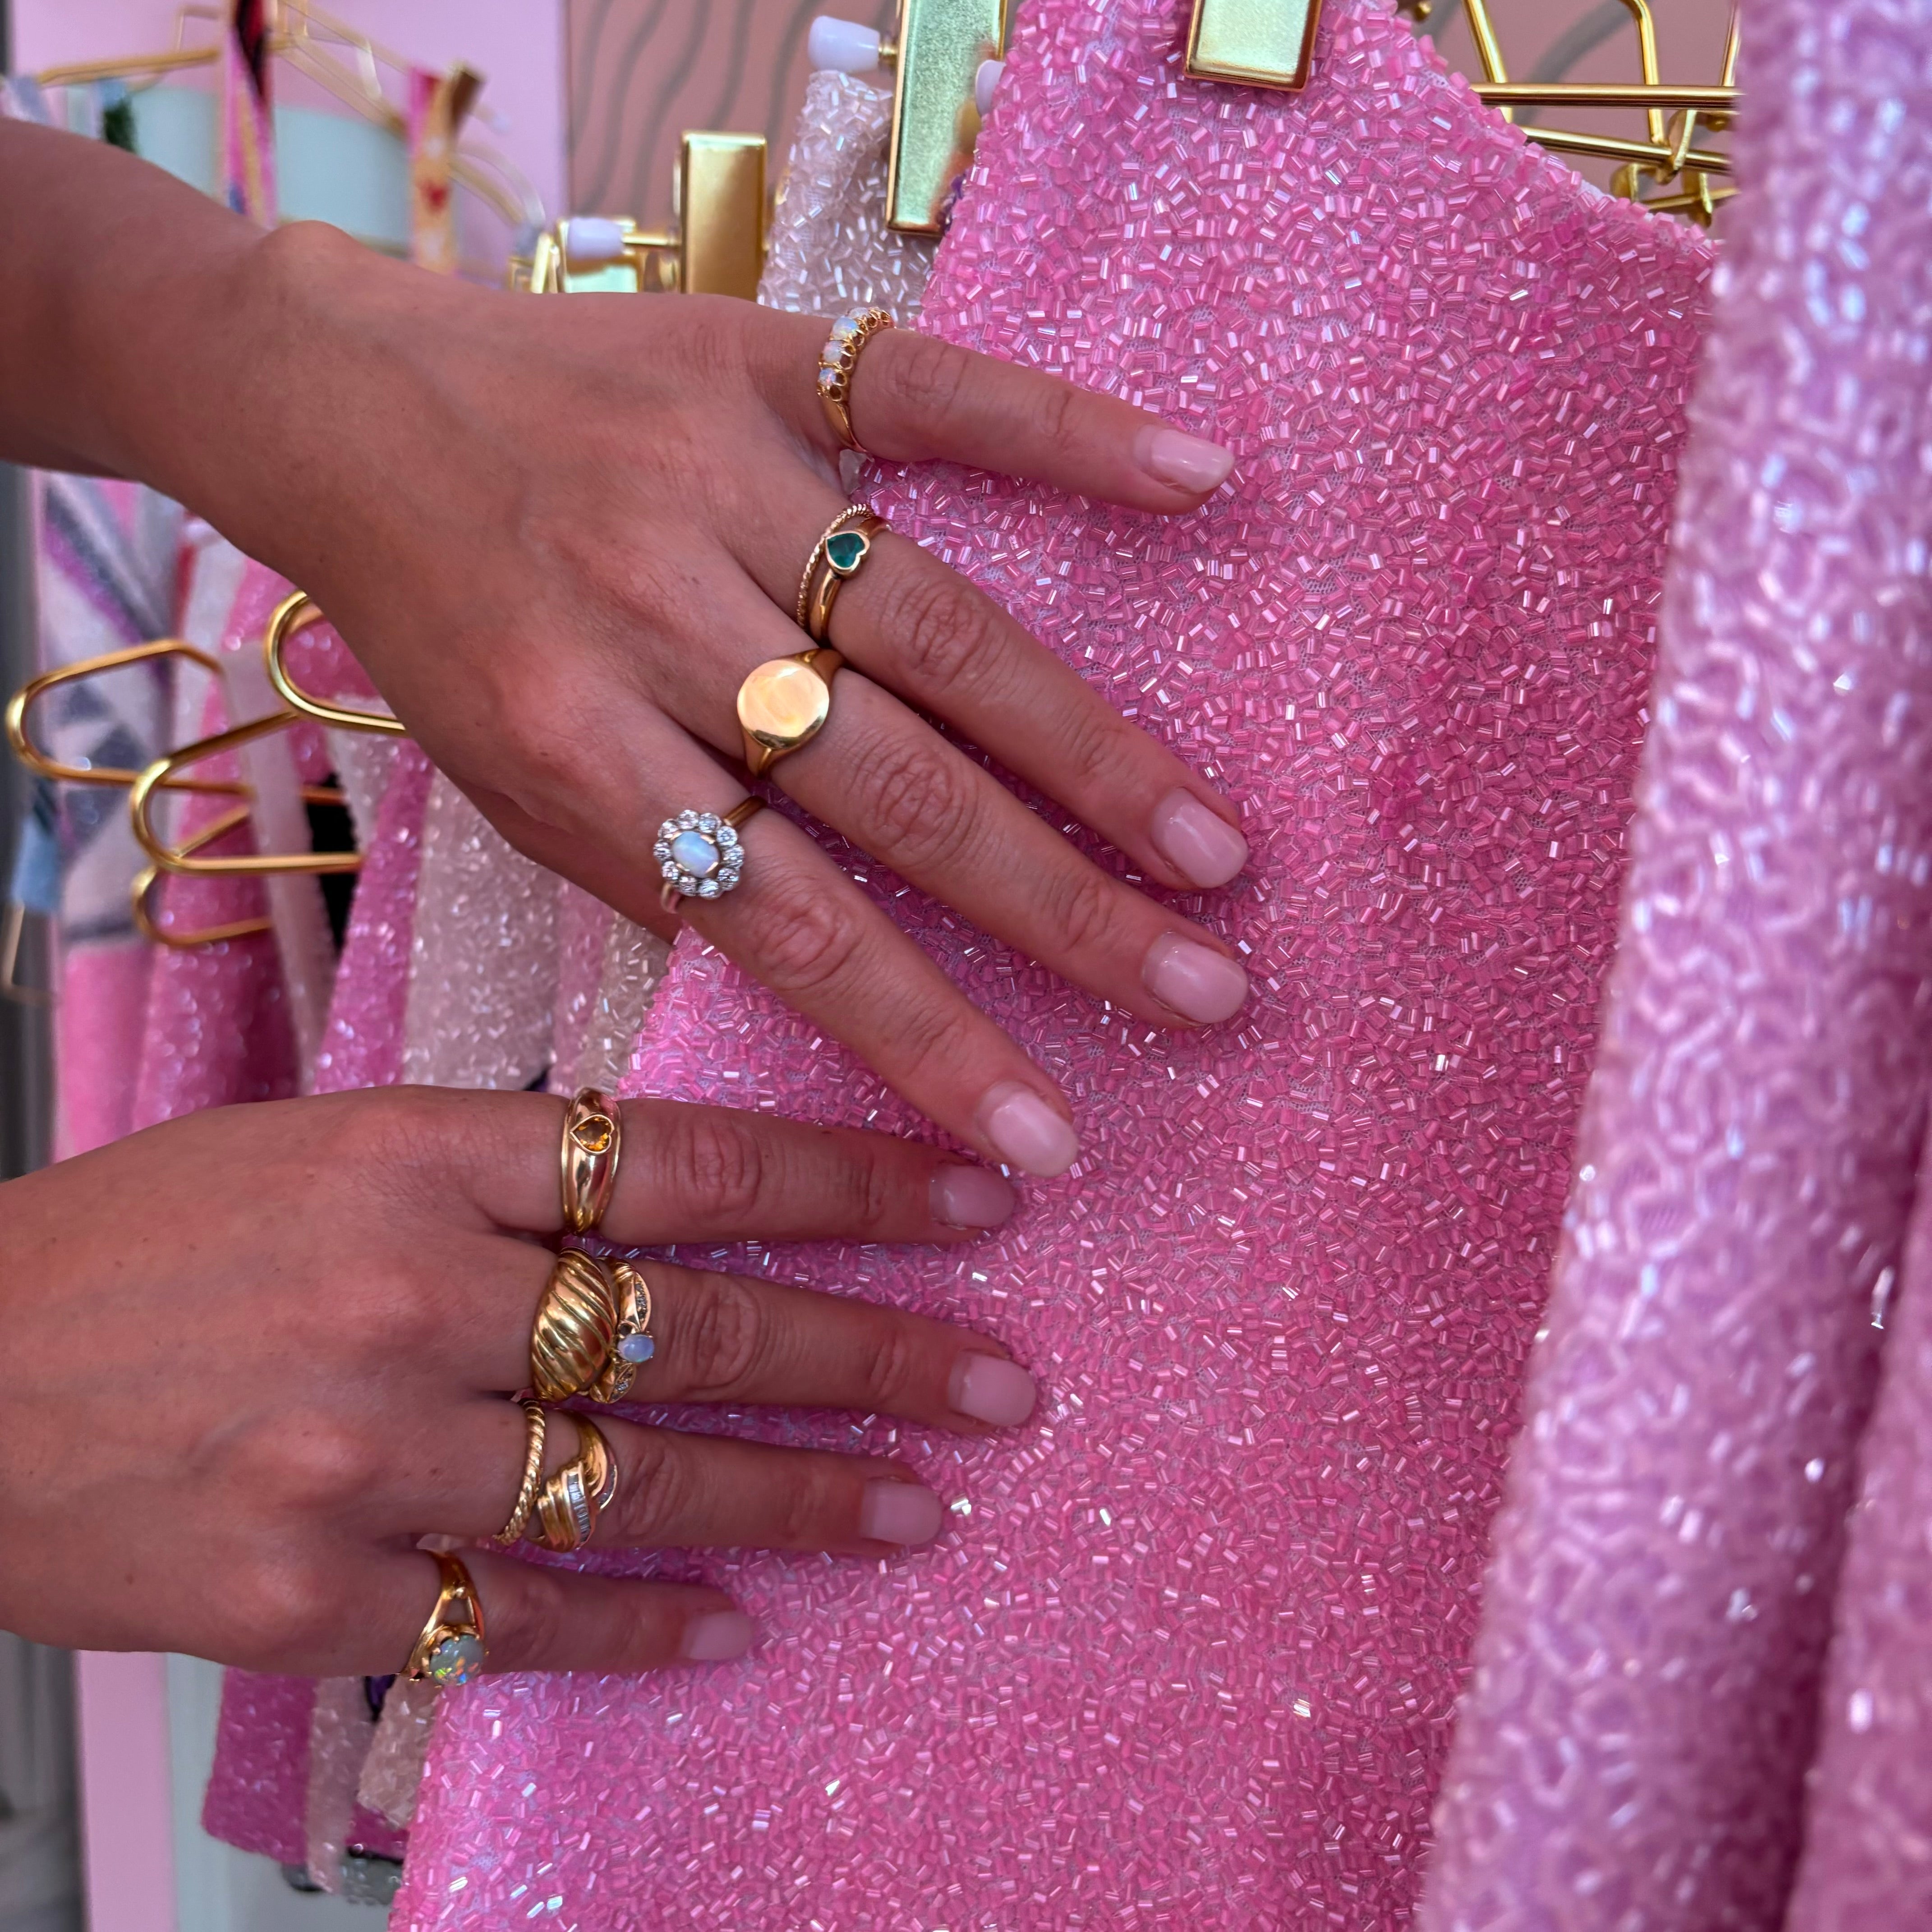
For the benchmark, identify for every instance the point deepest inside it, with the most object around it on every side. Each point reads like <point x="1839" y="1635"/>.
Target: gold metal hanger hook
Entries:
<point x="297" y="612"/>
<point x="181" y="858"/>
<point x="149" y="877"/>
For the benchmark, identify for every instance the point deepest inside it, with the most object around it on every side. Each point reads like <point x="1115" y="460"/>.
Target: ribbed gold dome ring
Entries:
<point x="575" y="1327"/>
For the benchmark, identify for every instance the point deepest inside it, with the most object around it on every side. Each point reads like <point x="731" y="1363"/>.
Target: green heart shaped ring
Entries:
<point x="838" y="557"/>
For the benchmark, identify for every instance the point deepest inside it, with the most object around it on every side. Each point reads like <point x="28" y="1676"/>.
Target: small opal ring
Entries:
<point x="783" y="704"/>
<point x="634" y="1345"/>
<point x="699" y="853"/>
<point x="835" y="557"/>
<point x="836" y="362"/>
<point x="450" y="1649"/>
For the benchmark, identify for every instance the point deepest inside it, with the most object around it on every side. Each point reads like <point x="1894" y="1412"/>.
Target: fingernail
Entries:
<point x="1187" y="462"/>
<point x="1201" y="846"/>
<point x="1028" y="1131"/>
<point x="719" y="1634"/>
<point x="900" y="1513"/>
<point x="993" y="1390"/>
<point x="1198" y="982"/>
<point x="971" y="1197"/>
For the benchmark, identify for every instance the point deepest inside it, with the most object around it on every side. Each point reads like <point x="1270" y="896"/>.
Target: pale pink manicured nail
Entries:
<point x="1186" y="462"/>
<point x="1028" y="1131"/>
<point x="717" y="1635"/>
<point x="900" y="1513"/>
<point x="1198" y="982"/>
<point x="971" y="1197"/>
<point x="1195" y="842"/>
<point x="992" y="1389"/>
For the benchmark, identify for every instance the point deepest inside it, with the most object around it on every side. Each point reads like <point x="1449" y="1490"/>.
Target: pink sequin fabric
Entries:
<point x="1187" y="1653"/>
<point x="1633" y="1752"/>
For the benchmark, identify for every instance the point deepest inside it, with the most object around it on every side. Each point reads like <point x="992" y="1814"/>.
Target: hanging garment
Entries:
<point x="1638" y="1728"/>
<point x="1187" y="1653"/>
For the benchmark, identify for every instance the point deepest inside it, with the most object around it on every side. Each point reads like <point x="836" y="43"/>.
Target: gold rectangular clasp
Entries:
<point x="722" y="215"/>
<point x="1257" y="43"/>
<point x="941" y="44"/>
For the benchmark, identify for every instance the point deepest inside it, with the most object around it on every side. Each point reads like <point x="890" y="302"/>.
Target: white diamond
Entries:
<point x="727" y="836"/>
<point x="707" y="821"/>
<point x="669" y="869"/>
<point x="660" y="850"/>
<point x="686" y="820"/>
<point x="707" y="888"/>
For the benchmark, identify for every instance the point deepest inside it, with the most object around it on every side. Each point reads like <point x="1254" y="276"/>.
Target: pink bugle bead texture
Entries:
<point x="1186" y="1655"/>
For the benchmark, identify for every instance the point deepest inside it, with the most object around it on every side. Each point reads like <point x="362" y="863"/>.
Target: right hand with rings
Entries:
<point x="253" y="1356"/>
<point x="559" y="532"/>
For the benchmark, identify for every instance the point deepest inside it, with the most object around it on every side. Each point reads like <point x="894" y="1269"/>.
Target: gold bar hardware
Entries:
<point x="1603" y="94"/>
<point x="715" y="247"/>
<point x="1256" y="43"/>
<point x="935" y="121"/>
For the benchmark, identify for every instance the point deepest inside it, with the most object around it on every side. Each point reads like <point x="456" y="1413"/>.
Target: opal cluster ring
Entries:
<point x="450" y="1649"/>
<point x="836" y="558"/>
<point x="783" y="704"/>
<point x="699" y="854"/>
<point x="836" y="362"/>
<point x="570" y="1500"/>
<point x="593" y="1139"/>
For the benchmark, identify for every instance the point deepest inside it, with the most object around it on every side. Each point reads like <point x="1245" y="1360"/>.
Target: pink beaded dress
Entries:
<point x="1186" y="1656"/>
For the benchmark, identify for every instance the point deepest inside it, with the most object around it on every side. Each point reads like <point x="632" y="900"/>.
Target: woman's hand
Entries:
<point x="253" y="1356"/>
<point x="558" y="532"/>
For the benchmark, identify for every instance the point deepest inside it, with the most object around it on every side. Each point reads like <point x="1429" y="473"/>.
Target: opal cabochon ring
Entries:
<point x="836" y="362"/>
<point x="699" y="853"/>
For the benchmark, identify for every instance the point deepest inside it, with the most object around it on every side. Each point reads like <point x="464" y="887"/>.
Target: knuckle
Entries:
<point x="538" y="1621"/>
<point x="809" y="939"/>
<point x="309" y="1464"/>
<point x="927" y="375"/>
<point x="726" y="1338"/>
<point x="1089" y="754"/>
<point x="1057" y="412"/>
<point x="917" y="797"/>
<point x="942" y="636"/>
<point x="718" y="1163"/>
<point x="806" y="1513"/>
<point x="890" y="1369"/>
<point x="283" y="1611"/>
<point x="1084" y="910"/>
<point x="656" y="1497"/>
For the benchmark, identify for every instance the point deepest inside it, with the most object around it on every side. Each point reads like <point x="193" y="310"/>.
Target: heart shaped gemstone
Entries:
<point x="846" y="551"/>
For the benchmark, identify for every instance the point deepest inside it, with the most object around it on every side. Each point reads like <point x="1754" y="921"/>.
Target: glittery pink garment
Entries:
<point x="1187" y="1654"/>
<point x="1632" y="1752"/>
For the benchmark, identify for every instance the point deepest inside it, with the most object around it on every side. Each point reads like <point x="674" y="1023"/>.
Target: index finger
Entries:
<point x="917" y="399"/>
<point x="690" y="1173"/>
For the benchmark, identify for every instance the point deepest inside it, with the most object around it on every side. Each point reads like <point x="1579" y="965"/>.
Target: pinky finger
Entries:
<point x="542" y="1619"/>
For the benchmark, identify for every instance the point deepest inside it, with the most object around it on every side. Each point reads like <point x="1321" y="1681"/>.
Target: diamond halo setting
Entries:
<point x="699" y="855"/>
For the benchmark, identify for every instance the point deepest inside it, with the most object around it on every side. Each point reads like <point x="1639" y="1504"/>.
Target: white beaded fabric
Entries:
<point x="1632" y="1752"/>
<point x="1186" y="1655"/>
<point x="830" y="249"/>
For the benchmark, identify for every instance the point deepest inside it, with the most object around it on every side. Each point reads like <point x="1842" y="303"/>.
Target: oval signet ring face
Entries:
<point x="783" y="703"/>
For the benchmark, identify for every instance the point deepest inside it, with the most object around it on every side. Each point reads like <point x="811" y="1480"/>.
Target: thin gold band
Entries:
<point x="845" y="516"/>
<point x="537" y="1430"/>
<point x="831" y="573"/>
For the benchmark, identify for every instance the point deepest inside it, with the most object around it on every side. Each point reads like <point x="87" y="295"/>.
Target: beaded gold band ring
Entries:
<point x="593" y="1139"/>
<point x="699" y="853"/>
<point x="836" y="559"/>
<point x="573" y="1497"/>
<point x="576" y="1324"/>
<point x="450" y="1649"/>
<point x="536" y="1419"/>
<point x="836" y="362"/>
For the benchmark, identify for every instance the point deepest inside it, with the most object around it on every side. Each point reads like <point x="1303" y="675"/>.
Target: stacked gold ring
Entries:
<point x="450" y="1649"/>
<point x="593" y="1139"/>
<point x="537" y="1420"/>
<point x="576" y="1325"/>
<point x="836" y="558"/>
<point x="836" y="362"/>
<point x="631" y="1345"/>
<point x="573" y="1497"/>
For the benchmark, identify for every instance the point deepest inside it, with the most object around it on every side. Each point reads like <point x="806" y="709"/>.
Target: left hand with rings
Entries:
<point x="252" y="1356"/>
<point x="563" y="534"/>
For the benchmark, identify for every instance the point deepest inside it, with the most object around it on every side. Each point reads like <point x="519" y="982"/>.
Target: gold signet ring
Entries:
<point x="784" y="704"/>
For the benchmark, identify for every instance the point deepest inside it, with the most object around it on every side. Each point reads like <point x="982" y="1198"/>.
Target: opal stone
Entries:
<point x="637" y="1347"/>
<point x="846" y="551"/>
<point x="456" y="1660"/>
<point x="695" y="852"/>
<point x="783" y="703"/>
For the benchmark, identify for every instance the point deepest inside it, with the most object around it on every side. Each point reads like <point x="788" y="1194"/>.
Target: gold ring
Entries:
<point x="633" y="1345"/>
<point x="851" y="512"/>
<point x="572" y="1499"/>
<point x="593" y="1138"/>
<point x="783" y="704"/>
<point x="576" y="1323"/>
<point x="836" y="557"/>
<point x="450" y="1649"/>
<point x="836" y="362"/>
<point x="699" y="854"/>
<point x="537" y="1418"/>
